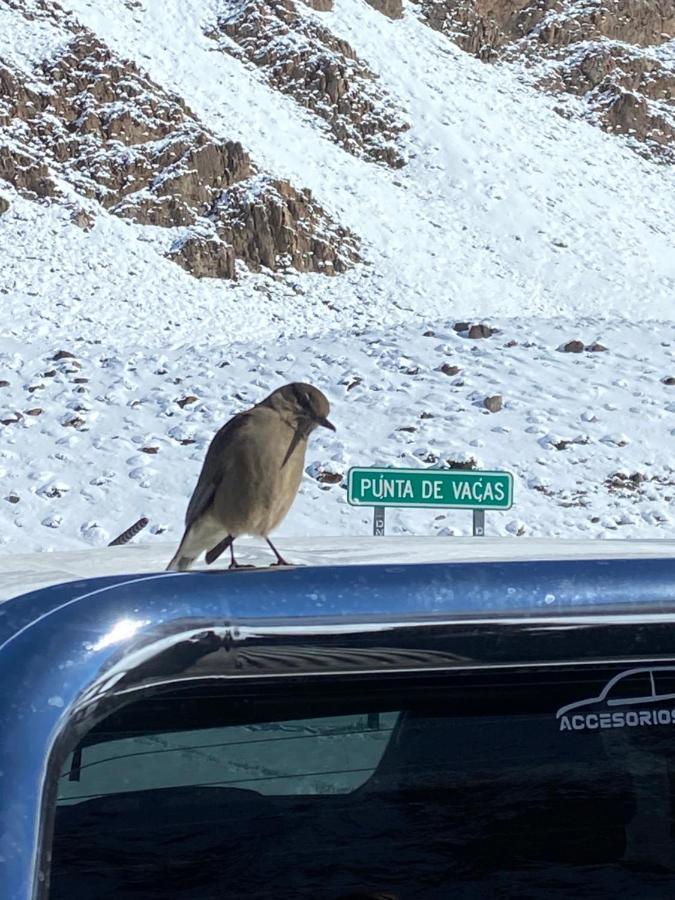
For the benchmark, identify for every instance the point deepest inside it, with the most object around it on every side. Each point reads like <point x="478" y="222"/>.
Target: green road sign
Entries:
<point x="450" y="488"/>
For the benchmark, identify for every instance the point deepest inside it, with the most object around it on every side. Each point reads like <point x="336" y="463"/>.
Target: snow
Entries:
<point x="24" y="572"/>
<point x="548" y="229"/>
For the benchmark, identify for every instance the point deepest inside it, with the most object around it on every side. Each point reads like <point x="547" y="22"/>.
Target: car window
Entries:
<point x="331" y="755"/>
<point x="419" y="788"/>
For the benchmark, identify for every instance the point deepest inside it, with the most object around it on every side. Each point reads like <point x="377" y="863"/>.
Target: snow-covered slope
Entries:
<point x="548" y="228"/>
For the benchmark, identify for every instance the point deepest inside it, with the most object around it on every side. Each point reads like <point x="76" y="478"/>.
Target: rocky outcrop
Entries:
<point x="272" y="225"/>
<point x="606" y="53"/>
<point x="45" y="10"/>
<point x="25" y="172"/>
<point x="204" y="256"/>
<point x="642" y="23"/>
<point x="91" y="120"/>
<point x="481" y="27"/>
<point x="4" y="205"/>
<point x="318" y="70"/>
<point x="393" y="9"/>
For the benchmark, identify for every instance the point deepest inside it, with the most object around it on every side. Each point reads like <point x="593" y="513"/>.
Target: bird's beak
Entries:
<point x="325" y="423"/>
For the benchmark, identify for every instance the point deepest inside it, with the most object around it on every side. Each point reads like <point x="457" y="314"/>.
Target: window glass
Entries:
<point x="330" y="755"/>
<point x="419" y="788"/>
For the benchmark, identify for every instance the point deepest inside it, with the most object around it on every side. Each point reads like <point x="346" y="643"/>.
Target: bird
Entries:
<point x="251" y="474"/>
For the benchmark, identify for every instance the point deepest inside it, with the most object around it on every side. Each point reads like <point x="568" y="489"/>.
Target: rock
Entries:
<point x="72" y="422"/>
<point x="393" y="9"/>
<point x="598" y="53"/>
<point x="596" y="348"/>
<point x="187" y="401"/>
<point x="411" y="429"/>
<point x="151" y="450"/>
<point x="669" y="380"/>
<point x="426" y="415"/>
<point x="124" y="142"/>
<point x="271" y="225"/>
<point x="429" y="334"/>
<point x="466" y="465"/>
<point x="4" y="205"/>
<point x="28" y="174"/>
<point x="51" y="373"/>
<point x="328" y="477"/>
<point x="511" y="343"/>
<point x="80" y="380"/>
<point x="320" y="5"/>
<point x="12" y="497"/>
<point x="299" y="57"/>
<point x="62" y="354"/>
<point x="204" y="257"/>
<point x="35" y="387"/>
<point x="83" y="219"/>
<point x="447" y="369"/>
<point x="36" y="411"/>
<point x="494" y="403"/>
<point x="11" y="418"/>
<point x="625" y="483"/>
<point x="4" y="383"/>
<point x="572" y="347"/>
<point x="616" y="440"/>
<point x="560" y="443"/>
<point x="480" y="331"/>
<point x="187" y="441"/>
<point x="461" y="326"/>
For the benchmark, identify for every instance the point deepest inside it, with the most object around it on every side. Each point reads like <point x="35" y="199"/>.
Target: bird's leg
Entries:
<point x="234" y="564"/>
<point x="280" y="560"/>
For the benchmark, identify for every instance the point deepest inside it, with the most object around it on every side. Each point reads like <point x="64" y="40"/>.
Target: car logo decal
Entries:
<point x="640" y="697"/>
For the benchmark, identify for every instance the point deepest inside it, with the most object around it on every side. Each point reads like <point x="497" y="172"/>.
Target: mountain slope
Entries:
<point x="548" y="228"/>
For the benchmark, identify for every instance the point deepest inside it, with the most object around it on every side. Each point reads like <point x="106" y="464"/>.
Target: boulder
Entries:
<point x="493" y="404"/>
<point x="573" y="347"/>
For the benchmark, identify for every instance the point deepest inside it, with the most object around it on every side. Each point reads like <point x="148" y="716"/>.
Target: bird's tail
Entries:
<point x="180" y="562"/>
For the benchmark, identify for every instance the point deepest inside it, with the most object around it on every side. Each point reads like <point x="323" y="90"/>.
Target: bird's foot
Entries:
<point x="236" y="565"/>
<point x="280" y="562"/>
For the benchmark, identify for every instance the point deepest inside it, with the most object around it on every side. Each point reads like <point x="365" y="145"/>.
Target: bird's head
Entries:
<point x="303" y="403"/>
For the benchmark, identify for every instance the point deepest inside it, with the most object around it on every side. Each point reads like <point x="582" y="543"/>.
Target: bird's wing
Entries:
<point x="211" y="473"/>
<point x="199" y="501"/>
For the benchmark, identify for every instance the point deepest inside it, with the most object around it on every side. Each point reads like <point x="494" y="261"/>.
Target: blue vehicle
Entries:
<point x="339" y="732"/>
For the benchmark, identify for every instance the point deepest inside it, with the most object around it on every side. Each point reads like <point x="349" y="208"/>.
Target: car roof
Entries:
<point x="314" y="593"/>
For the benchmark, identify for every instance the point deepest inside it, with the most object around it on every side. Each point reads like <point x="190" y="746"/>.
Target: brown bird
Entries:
<point x="251" y="474"/>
